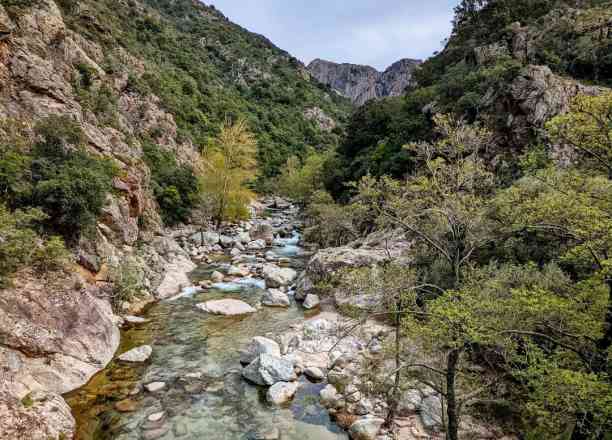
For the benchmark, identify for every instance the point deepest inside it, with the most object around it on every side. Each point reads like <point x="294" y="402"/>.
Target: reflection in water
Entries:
<point x="196" y="355"/>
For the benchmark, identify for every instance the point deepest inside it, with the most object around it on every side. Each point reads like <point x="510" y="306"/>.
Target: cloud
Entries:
<point x="374" y="32"/>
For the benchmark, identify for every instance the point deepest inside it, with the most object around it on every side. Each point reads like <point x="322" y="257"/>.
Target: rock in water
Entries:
<point x="138" y="354"/>
<point x="268" y="370"/>
<point x="226" y="307"/>
<point x="259" y="345"/>
<point x="216" y="277"/>
<point x="282" y="392"/>
<point x="366" y="428"/>
<point x="275" y="298"/>
<point x="315" y="374"/>
<point x="311" y="301"/>
<point x="277" y="277"/>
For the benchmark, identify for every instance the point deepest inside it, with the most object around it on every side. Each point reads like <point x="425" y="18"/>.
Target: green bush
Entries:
<point x="175" y="186"/>
<point x="56" y="175"/>
<point x="127" y="280"/>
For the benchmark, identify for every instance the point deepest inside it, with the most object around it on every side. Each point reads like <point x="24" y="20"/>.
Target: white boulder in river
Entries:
<point x="226" y="307"/>
<point x="275" y="298"/>
<point x="312" y="301"/>
<point x="277" y="277"/>
<point x="268" y="370"/>
<point x="282" y="392"/>
<point x="259" y="345"/>
<point x="366" y="428"/>
<point x="138" y="354"/>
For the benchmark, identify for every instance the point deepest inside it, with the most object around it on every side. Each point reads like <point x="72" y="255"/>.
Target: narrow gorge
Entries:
<point x="204" y="237"/>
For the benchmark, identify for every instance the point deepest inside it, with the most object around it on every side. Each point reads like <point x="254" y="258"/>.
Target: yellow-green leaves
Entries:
<point x="587" y="128"/>
<point x="228" y="164"/>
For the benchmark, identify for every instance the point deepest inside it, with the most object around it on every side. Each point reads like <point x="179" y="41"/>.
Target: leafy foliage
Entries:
<point x="206" y="69"/>
<point x="175" y="186"/>
<point x="228" y="164"/>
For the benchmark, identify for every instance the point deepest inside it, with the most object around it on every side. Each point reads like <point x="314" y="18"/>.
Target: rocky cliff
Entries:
<point x="363" y="83"/>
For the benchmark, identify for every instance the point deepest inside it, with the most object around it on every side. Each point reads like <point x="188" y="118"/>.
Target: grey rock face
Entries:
<point x="362" y="83"/>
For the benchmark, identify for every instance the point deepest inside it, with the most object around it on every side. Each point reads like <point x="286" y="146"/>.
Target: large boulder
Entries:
<point x="226" y="307"/>
<point x="56" y="333"/>
<point x="262" y="231"/>
<point x="205" y="238"/>
<point x="430" y="412"/>
<point x="268" y="370"/>
<point x="37" y="416"/>
<point x="259" y="345"/>
<point x="278" y="276"/>
<point x="275" y="298"/>
<point x="282" y="392"/>
<point x="366" y="428"/>
<point x="175" y="277"/>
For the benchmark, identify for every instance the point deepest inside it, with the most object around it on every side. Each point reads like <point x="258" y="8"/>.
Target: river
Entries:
<point x="197" y="355"/>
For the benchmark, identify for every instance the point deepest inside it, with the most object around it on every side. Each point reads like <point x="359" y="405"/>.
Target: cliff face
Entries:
<point x="363" y="83"/>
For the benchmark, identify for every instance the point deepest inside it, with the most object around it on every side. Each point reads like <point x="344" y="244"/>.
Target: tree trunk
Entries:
<point x="452" y="414"/>
<point x="396" y="383"/>
<point x="584" y="429"/>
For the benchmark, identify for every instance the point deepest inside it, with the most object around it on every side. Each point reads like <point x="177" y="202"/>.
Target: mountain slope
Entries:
<point x="363" y="83"/>
<point x="510" y="65"/>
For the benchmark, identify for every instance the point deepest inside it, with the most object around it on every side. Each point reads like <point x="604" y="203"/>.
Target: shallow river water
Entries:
<point x="197" y="356"/>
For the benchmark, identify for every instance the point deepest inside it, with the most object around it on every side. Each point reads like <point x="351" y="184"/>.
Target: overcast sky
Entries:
<point x="374" y="32"/>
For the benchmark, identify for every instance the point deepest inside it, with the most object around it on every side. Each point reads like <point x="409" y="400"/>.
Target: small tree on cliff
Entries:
<point x="228" y="163"/>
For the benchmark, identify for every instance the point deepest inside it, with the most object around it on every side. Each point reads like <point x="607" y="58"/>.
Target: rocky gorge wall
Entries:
<point x="56" y="332"/>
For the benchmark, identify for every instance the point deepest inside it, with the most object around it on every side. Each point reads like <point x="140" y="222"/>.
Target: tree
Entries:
<point x="300" y="180"/>
<point x="444" y="207"/>
<point x="228" y="164"/>
<point x="587" y="128"/>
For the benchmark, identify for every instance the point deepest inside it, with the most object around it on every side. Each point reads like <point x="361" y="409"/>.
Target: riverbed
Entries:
<point x="196" y="357"/>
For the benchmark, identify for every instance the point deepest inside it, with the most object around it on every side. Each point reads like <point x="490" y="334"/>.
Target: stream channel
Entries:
<point x="197" y="356"/>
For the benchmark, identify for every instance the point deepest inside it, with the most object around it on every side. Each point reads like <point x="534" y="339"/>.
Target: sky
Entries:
<point x="371" y="32"/>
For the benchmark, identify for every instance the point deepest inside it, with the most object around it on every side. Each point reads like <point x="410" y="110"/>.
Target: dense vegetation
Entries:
<point x="572" y="38"/>
<point x="206" y="69"/>
<point x="50" y="187"/>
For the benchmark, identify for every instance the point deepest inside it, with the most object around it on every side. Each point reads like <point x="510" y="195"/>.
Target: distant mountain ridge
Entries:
<point x="362" y="83"/>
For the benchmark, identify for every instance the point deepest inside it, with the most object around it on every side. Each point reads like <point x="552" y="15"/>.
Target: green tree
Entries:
<point x="228" y="164"/>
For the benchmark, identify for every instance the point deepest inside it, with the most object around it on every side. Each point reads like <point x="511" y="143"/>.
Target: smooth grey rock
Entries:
<point x="154" y="387"/>
<point x="256" y="245"/>
<point x="259" y="345"/>
<point x="226" y="307"/>
<point x="275" y="298"/>
<point x="366" y="428"/>
<point x="282" y="392"/>
<point x="268" y="370"/>
<point x="315" y="374"/>
<point x="138" y="354"/>
<point x="216" y="277"/>
<point x="278" y="277"/>
<point x="312" y="301"/>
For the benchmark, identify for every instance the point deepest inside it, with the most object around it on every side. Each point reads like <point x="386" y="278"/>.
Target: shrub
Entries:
<point x="127" y="280"/>
<point x="52" y="255"/>
<point x="175" y="186"/>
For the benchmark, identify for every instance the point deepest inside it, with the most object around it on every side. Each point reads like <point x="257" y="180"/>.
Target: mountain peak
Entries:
<point x="360" y="83"/>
